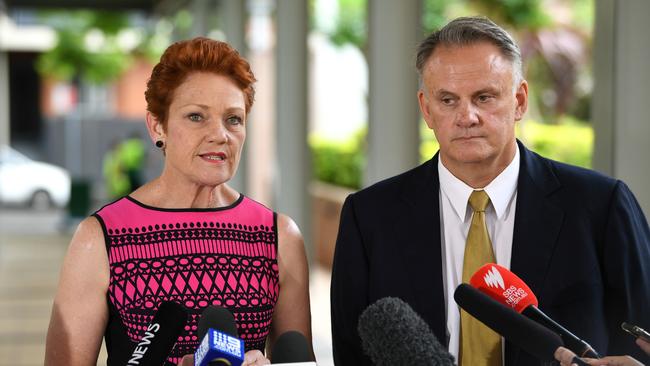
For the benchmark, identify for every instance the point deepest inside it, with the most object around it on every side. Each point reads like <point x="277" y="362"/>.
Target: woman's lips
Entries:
<point x="214" y="157"/>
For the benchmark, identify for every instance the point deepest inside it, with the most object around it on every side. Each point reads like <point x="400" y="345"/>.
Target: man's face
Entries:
<point x="469" y="100"/>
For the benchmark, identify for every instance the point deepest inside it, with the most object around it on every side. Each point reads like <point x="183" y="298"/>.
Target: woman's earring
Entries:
<point x="160" y="144"/>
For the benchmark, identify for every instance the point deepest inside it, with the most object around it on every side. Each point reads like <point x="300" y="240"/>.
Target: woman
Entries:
<point x="185" y="236"/>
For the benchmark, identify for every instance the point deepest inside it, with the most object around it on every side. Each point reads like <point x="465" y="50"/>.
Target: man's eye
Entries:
<point x="195" y="117"/>
<point x="484" y="98"/>
<point x="447" y="101"/>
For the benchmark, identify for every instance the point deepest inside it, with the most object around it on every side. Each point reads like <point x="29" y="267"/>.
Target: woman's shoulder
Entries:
<point x="289" y="236"/>
<point x="89" y="228"/>
<point x="287" y="226"/>
<point x="113" y="206"/>
<point x="87" y="243"/>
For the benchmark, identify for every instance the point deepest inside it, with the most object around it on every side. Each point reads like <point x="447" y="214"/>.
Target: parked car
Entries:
<point x="24" y="181"/>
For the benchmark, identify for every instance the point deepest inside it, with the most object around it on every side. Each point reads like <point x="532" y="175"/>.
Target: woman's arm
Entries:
<point x="292" y="310"/>
<point x="80" y="312"/>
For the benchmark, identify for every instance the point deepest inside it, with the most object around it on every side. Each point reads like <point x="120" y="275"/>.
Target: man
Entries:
<point x="577" y="238"/>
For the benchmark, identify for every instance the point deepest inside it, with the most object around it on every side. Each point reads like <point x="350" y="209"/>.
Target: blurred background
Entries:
<point x="335" y="111"/>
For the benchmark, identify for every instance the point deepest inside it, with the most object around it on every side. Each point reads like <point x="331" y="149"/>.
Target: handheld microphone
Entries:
<point x="504" y="286"/>
<point x="160" y="336"/>
<point x="221" y="345"/>
<point x="521" y="331"/>
<point x="392" y="333"/>
<point x="291" y="347"/>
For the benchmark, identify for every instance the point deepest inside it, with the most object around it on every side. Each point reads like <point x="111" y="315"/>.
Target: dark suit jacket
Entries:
<point x="581" y="242"/>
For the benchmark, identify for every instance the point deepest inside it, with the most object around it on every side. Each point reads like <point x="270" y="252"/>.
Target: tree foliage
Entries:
<point x="518" y="14"/>
<point x="87" y="46"/>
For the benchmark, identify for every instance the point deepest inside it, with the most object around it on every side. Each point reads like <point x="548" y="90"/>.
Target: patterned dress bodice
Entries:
<point x="196" y="257"/>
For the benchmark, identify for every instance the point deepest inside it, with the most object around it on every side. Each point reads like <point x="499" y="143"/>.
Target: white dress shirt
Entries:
<point x="455" y="219"/>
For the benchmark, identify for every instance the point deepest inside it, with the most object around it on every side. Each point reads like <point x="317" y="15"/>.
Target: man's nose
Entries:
<point x="467" y="114"/>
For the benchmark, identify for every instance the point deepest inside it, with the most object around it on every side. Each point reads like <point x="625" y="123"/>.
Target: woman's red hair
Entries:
<point x="195" y="55"/>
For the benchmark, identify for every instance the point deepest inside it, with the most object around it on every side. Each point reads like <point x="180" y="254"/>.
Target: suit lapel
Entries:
<point x="537" y="225"/>
<point x="422" y="252"/>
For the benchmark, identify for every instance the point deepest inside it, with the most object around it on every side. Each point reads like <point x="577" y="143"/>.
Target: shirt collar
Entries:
<point x="500" y="190"/>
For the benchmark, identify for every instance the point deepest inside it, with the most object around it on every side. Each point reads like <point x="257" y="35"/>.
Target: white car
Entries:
<point x="25" y="181"/>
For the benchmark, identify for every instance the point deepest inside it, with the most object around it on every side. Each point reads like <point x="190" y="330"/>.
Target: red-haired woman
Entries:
<point x="186" y="236"/>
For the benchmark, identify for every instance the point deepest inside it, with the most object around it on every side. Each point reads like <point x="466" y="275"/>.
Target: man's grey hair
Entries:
<point x="467" y="31"/>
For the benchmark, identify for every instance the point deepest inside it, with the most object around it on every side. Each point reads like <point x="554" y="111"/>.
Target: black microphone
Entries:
<point x="572" y="341"/>
<point x="525" y="333"/>
<point x="507" y="288"/>
<point x="220" y="345"/>
<point x="291" y="347"/>
<point x="218" y="318"/>
<point x="392" y="333"/>
<point x="160" y="336"/>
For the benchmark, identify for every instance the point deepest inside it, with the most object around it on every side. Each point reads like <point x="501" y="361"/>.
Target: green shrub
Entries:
<point x="342" y="162"/>
<point x="570" y="141"/>
<point x="339" y="162"/>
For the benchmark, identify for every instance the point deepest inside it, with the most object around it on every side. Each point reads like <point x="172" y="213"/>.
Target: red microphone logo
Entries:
<point x="504" y="286"/>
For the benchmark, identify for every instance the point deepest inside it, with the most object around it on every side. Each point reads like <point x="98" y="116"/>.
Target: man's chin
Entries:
<point x="470" y="154"/>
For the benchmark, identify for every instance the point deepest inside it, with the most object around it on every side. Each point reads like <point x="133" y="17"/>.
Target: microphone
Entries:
<point x="291" y="347"/>
<point x="505" y="287"/>
<point x="219" y="318"/>
<point x="221" y="345"/>
<point x="160" y="336"/>
<point x="521" y="331"/>
<point x="392" y="333"/>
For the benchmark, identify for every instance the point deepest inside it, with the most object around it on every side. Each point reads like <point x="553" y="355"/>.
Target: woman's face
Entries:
<point x="205" y="129"/>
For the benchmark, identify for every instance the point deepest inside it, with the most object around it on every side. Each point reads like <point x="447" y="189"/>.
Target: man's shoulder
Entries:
<point x="571" y="175"/>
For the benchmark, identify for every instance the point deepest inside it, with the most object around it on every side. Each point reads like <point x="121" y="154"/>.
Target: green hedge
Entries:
<point x="339" y="162"/>
<point x="342" y="162"/>
<point x="570" y="141"/>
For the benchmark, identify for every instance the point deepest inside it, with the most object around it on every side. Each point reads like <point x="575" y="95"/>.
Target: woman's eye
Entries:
<point x="234" y="120"/>
<point x="195" y="117"/>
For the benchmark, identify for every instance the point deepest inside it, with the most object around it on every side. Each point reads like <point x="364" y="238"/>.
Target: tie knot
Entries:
<point x="479" y="201"/>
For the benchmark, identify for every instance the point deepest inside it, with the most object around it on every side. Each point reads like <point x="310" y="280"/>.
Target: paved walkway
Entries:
<point x="31" y="253"/>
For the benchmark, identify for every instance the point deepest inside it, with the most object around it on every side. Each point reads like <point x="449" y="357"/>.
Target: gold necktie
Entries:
<point x="479" y="346"/>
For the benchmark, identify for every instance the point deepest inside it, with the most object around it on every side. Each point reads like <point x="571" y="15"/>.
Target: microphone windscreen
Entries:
<point x="291" y="347"/>
<point x="516" y="328"/>
<point x="219" y="318"/>
<point x="220" y="343"/>
<point x="504" y="286"/>
<point x="160" y="336"/>
<point x="392" y="333"/>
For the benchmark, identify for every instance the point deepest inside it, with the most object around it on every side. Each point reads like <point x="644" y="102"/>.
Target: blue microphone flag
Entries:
<point x="221" y="348"/>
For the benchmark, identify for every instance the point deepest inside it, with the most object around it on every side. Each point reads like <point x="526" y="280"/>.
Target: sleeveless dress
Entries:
<point x="224" y="256"/>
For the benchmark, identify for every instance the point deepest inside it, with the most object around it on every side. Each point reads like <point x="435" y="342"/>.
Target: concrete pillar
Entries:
<point x="394" y="32"/>
<point x="233" y="18"/>
<point x="260" y="133"/>
<point x="293" y="156"/>
<point x="622" y="94"/>
<point x="200" y="17"/>
<point x="4" y="98"/>
<point x="232" y="15"/>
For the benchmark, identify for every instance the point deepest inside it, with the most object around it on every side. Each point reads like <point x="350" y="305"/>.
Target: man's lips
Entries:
<point x="465" y="138"/>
